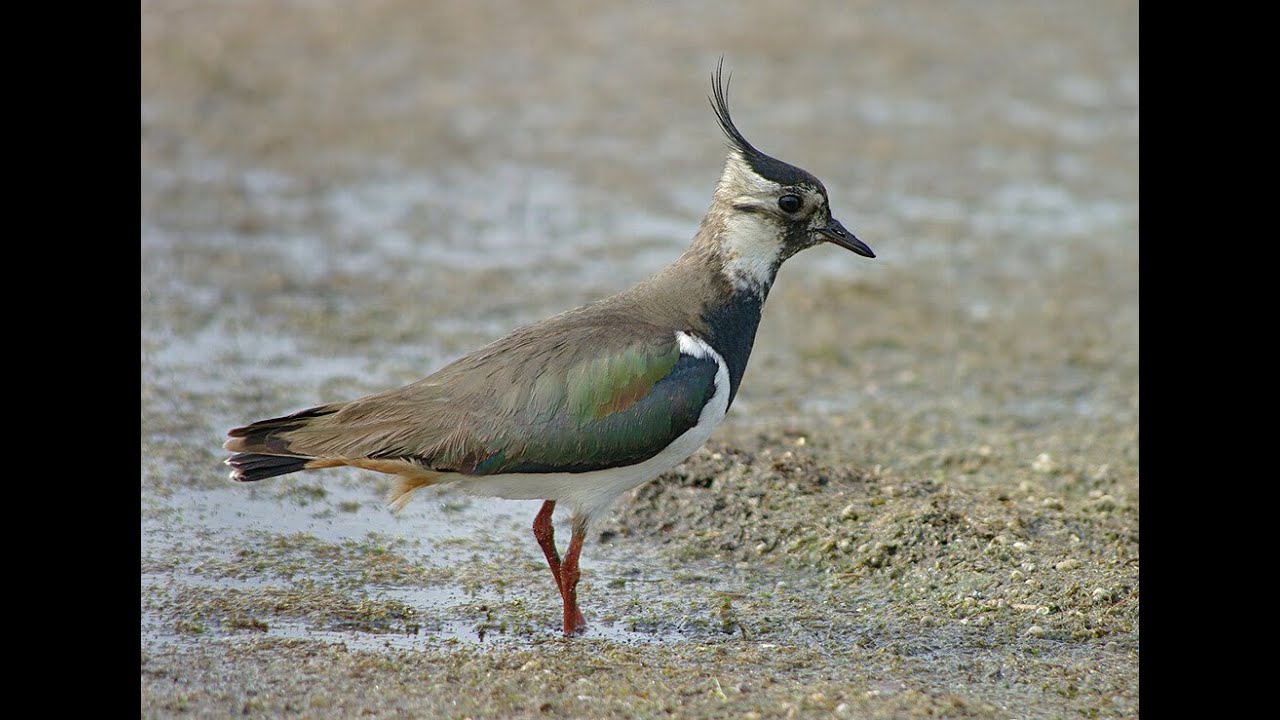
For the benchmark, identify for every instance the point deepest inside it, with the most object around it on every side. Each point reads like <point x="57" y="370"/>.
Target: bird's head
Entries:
<point x="770" y="209"/>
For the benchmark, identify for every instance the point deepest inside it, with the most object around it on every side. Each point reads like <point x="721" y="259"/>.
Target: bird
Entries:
<point x="580" y="408"/>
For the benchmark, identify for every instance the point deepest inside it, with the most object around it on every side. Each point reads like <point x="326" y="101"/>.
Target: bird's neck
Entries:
<point x="731" y="329"/>
<point x="717" y="288"/>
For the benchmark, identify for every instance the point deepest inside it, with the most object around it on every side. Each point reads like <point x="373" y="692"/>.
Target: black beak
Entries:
<point x="836" y="233"/>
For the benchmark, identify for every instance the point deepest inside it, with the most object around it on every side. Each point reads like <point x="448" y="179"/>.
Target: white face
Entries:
<point x="762" y="229"/>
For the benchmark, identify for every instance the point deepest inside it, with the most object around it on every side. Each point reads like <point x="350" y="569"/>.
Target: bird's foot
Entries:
<point x="574" y="623"/>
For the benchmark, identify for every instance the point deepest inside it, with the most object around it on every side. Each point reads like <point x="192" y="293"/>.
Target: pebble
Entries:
<point x="1043" y="463"/>
<point x="1104" y="503"/>
<point x="1068" y="564"/>
<point x="1035" y="631"/>
<point x="1052" y="503"/>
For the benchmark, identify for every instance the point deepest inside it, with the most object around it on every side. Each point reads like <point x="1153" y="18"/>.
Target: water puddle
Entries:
<point x="472" y="570"/>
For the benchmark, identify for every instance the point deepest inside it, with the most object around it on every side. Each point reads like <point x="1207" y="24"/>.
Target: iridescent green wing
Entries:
<point x="608" y="407"/>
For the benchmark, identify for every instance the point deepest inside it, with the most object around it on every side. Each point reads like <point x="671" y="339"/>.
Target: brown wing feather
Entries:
<point x="450" y="418"/>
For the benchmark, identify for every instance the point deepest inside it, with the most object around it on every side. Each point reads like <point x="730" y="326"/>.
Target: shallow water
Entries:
<point x="445" y="530"/>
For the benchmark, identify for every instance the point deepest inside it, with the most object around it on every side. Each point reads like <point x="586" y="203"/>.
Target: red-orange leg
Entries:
<point x="545" y="533"/>
<point x="573" y="620"/>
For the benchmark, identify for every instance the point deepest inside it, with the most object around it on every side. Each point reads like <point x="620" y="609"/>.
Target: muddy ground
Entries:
<point x="925" y="499"/>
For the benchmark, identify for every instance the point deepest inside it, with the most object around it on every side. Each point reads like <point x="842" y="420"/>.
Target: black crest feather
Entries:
<point x="767" y="167"/>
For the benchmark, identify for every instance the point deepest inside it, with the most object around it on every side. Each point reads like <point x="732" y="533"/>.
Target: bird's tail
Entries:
<point x="249" y="467"/>
<point x="262" y="451"/>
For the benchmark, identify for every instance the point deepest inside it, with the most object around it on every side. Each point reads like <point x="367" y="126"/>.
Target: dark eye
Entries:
<point x="790" y="203"/>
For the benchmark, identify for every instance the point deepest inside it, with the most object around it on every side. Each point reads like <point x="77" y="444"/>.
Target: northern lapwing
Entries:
<point x="584" y="406"/>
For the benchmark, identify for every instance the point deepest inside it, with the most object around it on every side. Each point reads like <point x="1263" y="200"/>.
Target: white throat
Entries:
<point x="751" y="247"/>
<point x="751" y="243"/>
